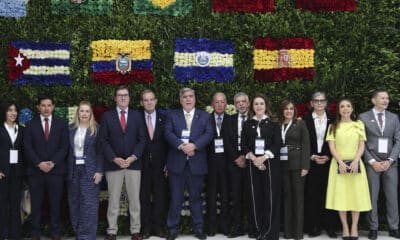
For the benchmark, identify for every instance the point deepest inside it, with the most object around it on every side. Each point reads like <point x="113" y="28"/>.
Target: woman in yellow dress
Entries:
<point x="347" y="185"/>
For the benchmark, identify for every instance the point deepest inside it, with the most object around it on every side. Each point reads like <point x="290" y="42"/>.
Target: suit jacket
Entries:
<point x="116" y="143"/>
<point x="298" y="141"/>
<point x="373" y="132"/>
<point x="201" y="134"/>
<point x="91" y="153"/>
<point x="6" y="145"/>
<point x="231" y="146"/>
<point x="309" y="120"/>
<point x="223" y="135"/>
<point x="154" y="155"/>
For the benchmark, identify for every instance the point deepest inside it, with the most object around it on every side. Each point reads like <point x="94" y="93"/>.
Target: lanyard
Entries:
<point x="284" y="131"/>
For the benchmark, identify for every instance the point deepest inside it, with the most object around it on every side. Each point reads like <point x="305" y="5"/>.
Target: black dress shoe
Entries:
<point x="171" y="236"/>
<point x="200" y="235"/>
<point x="394" y="233"/>
<point x="353" y="237"/>
<point x="110" y="237"/>
<point x="146" y="234"/>
<point x="373" y="234"/>
<point x="314" y="233"/>
<point x="235" y="233"/>
<point x="211" y="233"/>
<point x="160" y="233"/>
<point x="252" y="235"/>
<point x="331" y="234"/>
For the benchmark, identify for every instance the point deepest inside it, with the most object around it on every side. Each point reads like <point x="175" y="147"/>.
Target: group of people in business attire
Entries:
<point x="251" y="161"/>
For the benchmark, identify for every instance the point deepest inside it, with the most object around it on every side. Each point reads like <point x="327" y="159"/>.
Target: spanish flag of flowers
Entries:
<point x="203" y="60"/>
<point x="283" y="59"/>
<point x="43" y="63"/>
<point x="162" y="7"/>
<point x="326" y="5"/>
<point x="121" y="61"/>
<point x="243" y="5"/>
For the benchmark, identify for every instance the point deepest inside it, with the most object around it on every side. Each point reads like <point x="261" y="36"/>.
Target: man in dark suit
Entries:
<point x="380" y="155"/>
<point x="188" y="132"/>
<point x="217" y="176"/>
<point x="46" y="148"/>
<point x="237" y="164"/>
<point x="153" y="183"/>
<point x="122" y="135"/>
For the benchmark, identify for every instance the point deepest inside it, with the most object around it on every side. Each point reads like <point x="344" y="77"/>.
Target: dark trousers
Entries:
<point x="153" y="199"/>
<point x="217" y="183"/>
<point x="177" y="184"/>
<point x="265" y="200"/>
<point x="316" y="216"/>
<point x="239" y="193"/>
<point x="10" y="200"/>
<point x="83" y="199"/>
<point x="293" y="203"/>
<point x="53" y="185"/>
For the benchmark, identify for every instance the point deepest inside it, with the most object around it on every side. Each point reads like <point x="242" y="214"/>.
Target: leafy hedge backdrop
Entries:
<point x="355" y="52"/>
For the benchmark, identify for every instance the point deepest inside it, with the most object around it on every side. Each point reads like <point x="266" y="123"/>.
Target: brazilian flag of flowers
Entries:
<point x="94" y="7"/>
<point x="162" y="7"/>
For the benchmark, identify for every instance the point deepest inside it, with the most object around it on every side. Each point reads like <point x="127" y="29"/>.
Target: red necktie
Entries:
<point x="46" y="129"/>
<point x="150" y="127"/>
<point x="123" y="120"/>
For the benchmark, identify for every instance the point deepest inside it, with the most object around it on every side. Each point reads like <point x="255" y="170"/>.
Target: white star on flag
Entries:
<point x="18" y="60"/>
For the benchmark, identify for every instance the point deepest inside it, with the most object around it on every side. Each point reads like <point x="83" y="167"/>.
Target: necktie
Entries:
<point x="46" y="129"/>
<point x="243" y="117"/>
<point x="380" y="119"/>
<point x="123" y="120"/>
<point x="219" y="122"/>
<point x="150" y="126"/>
<point x="188" y="121"/>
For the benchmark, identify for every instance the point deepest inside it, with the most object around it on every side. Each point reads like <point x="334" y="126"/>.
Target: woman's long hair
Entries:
<point x="4" y="108"/>
<point x="336" y="123"/>
<point x="92" y="121"/>
<point x="267" y="105"/>
<point x="282" y="108"/>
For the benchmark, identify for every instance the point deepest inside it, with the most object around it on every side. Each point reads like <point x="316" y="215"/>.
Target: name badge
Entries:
<point x="185" y="136"/>
<point x="13" y="156"/>
<point x="260" y="146"/>
<point x="383" y="144"/>
<point x="79" y="161"/>
<point x="284" y="153"/>
<point x="219" y="145"/>
<point x="239" y="141"/>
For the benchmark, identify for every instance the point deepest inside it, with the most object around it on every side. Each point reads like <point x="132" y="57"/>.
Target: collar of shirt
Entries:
<point x="191" y="113"/>
<point x="216" y="116"/>
<point x="12" y="131"/>
<point x="316" y="116"/>
<point x="153" y="117"/>
<point x="119" y="113"/>
<point x="376" y="113"/>
<point x="263" y="118"/>
<point x="49" y="117"/>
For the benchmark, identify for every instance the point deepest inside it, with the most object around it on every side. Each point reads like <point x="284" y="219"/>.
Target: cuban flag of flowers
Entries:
<point x="13" y="8"/>
<point x="283" y="59"/>
<point x="203" y="60"/>
<point x="244" y="5"/>
<point x="122" y="61"/>
<point x="42" y="63"/>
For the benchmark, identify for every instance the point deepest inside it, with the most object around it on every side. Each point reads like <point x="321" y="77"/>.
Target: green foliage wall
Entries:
<point x="356" y="52"/>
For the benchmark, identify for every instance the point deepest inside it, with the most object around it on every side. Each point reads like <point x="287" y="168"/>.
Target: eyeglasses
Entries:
<point x="320" y="101"/>
<point x="122" y="95"/>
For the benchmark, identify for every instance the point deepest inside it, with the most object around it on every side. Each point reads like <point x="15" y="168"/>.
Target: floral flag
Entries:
<point x="243" y="5"/>
<point x="121" y="61"/>
<point x="43" y="63"/>
<point x="162" y="7"/>
<point x="203" y="60"/>
<point x="94" y="7"/>
<point x="283" y="59"/>
<point x="13" y="8"/>
<point x="326" y="5"/>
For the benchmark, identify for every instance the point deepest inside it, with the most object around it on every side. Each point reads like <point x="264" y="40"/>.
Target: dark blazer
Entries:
<point x="156" y="148"/>
<point x="309" y="120"/>
<point x="37" y="149"/>
<point x="116" y="143"/>
<point x="6" y="145"/>
<point x="298" y="142"/>
<point x="223" y="134"/>
<point x="92" y="153"/>
<point x="231" y="146"/>
<point x="201" y="134"/>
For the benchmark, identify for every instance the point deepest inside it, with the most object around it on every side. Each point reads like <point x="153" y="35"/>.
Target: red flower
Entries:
<point x="243" y="5"/>
<point x="98" y="112"/>
<point x="326" y="5"/>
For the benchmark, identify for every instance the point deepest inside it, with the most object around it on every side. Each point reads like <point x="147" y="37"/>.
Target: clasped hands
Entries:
<point x="320" y="159"/>
<point x="46" y="166"/>
<point x="258" y="161"/>
<point x="353" y="167"/>
<point x="124" y="163"/>
<point x="381" y="166"/>
<point x="188" y="148"/>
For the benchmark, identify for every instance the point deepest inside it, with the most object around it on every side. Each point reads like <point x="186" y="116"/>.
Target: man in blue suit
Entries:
<point x="46" y="148"/>
<point x="188" y="132"/>
<point x="122" y="136"/>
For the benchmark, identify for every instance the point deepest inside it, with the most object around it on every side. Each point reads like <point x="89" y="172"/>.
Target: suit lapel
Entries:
<point x="4" y="130"/>
<point x="72" y="136"/>
<point x="373" y="123"/>
<point x="116" y="120"/>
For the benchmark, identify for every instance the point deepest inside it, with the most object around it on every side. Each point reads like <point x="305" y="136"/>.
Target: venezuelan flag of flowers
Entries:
<point x="106" y="54"/>
<point x="326" y="5"/>
<point x="43" y="63"/>
<point x="283" y="59"/>
<point x="243" y="5"/>
<point x="203" y="60"/>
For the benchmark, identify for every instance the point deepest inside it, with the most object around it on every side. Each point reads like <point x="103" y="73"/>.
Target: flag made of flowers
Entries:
<point x="283" y="59"/>
<point x="94" y="7"/>
<point x="200" y="59"/>
<point x="13" y="8"/>
<point x="42" y="63"/>
<point x="121" y="61"/>
<point x="162" y="7"/>
<point x="326" y="5"/>
<point x="243" y="5"/>
<point x="66" y="113"/>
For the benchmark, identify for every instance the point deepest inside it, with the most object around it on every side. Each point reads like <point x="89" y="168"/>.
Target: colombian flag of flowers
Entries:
<point x="243" y="5"/>
<point x="283" y="59"/>
<point x="43" y="63"/>
<point x="326" y="5"/>
<point x="135" y="53"/>
<point x="203" y="60"/>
